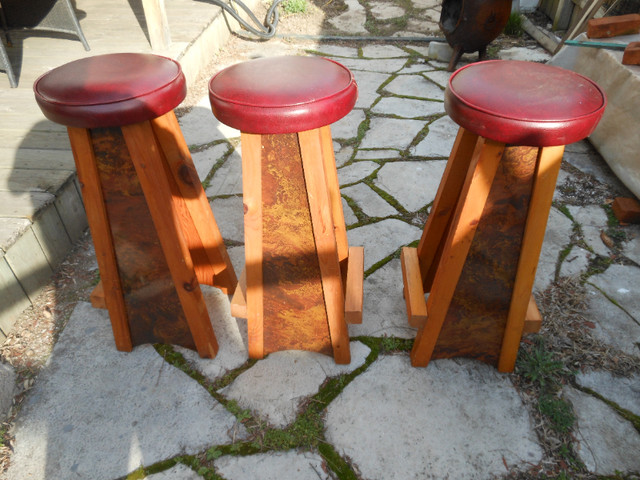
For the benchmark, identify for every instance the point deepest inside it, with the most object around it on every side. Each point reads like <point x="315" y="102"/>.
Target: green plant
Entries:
<point x="558" y="411"/>
<point x="294" y="6"/>
<point x="537" y="365"/>
<point x="513" y="28"/>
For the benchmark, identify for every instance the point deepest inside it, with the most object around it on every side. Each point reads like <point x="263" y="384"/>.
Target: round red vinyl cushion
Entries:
<point x="282" y="94"/>
<point x="524" y="103"/>
<point x="110" y="90"/>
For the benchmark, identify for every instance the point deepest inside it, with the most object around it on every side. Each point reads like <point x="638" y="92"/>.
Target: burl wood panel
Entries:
<point x="475" y="322"/>
<point x="294" y="311"/>
<point x="153" y="306"/>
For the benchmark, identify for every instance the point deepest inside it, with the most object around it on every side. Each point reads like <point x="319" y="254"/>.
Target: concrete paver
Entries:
<point x="288" y="465"/>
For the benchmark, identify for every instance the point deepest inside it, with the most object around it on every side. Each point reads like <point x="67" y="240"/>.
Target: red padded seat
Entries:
<point x="111" y="90"/>
<point x="524" y="103"/>
<point x="282" y="94"/>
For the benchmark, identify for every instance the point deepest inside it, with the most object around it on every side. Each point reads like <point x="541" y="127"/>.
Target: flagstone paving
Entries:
<point x="164" y="413"/>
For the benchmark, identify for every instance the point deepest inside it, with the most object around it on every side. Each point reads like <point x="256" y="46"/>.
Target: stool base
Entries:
<point x="302" y="283"/>
<point x="154" y="233"/>
<point x="479" y="251"/>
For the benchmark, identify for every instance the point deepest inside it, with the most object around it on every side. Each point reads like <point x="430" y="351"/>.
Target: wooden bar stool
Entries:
<point x="479" y="250"/>
<point x="155" y="236"/>
<point x="302" y="283"/>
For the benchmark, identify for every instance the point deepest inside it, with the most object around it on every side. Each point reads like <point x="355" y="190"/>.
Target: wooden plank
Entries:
<point x="447" y="197"/>
<point x="413" y="290"/>
<point x="239" y="300"/>
<point x="98" y="219"/>
<point x="549" y="160"/>
<point x="333" y="186"/>
<point x="157" y="25"/>
<point x="252" y="201"/>
<point x="97" y="297"/>
<point x="532" y="319"/>
<point x="13" y="299"/>
<point x="607" y="27"/>
<point x="52" y="236"/>
<point x="210" y="257"/>
<point x="474" y="193"/>
<point x="165" y="206"/>
<point x="294" y="303"/>
<point x="476" y="318"/>
<point x="323" y="232"/>
<point x="354" y="290"/>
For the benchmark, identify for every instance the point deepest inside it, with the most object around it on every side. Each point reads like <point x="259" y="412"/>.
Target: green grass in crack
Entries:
<point x="558" y="411"/>
<point x="538" y="366"/>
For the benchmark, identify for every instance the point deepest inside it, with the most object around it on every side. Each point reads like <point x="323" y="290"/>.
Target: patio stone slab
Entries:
<point x="206" y="159"/>
<point x="631" y="248"/>
<point x="232" y="351"/>
<point x="592" y="220"/>
<point x="556" y="237"/>
<point x="439" y="140"/>
<point x="200" y="127"/>
<point x="123" y="411"/>
<point x="229" y="215"/>
<point x="391" y="133"/>
<point x="614" y="326"/>
<point x="385" y="313"/>
<point x="289" y="465"/>
<point x="383" y="51"/>
<point x="576" y="262"/>
<point x="356" y="172"/>
<point x="412" y="184"/>
<point x="347" y="127"/>
<point x="352" y="20"/>
<point x="441" y="77"/>
<point x="369" y="201"/>
<point x="408" y="107"/>
<point x="368" y="84"/>
<point x="380" y="65"/>
<point x="383" y="238"/>
<point x="453" y="417"/>
<point x="622" y="284"/>
<point x="337" y="51"/>
<point x="177" y="472"/>
<point x="379" y="154"/>
<point x="7" y="388"/>
<point x="276" y="387"/>
<point x="624" y="391"/>
<point x="414" y="86"/>
<point x="386" y="11"/>
<point x="227" y="180"/>
<point x="599" y="433"/>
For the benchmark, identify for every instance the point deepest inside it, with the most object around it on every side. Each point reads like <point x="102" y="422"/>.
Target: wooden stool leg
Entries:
<point x="320" y="207"/>
<point x="210" y="257"/>
<point x="547" y="168"/>
<point x="252" y="202"/>
<point x="474" y="193"/>
<point x="167" y="207"/>
<point x="447" y="197"/>
<point x="92" y="195"/>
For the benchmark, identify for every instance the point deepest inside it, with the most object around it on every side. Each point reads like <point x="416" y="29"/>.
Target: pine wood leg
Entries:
<point x="252" y="203"/>
<point x="92" y="195"/>
<point x="473" y="196"/>
<point x="323" y="231"/>
<point x="546" y="174"/>
<point x="210" y="257"/>
<point x="439" y="221"/>
<point x="167" y="207"/>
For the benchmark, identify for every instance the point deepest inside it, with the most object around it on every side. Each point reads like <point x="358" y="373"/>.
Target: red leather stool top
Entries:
<point x="282" y="94"/>
<point x="110" y="90"/>
<point x="524" y="103"/>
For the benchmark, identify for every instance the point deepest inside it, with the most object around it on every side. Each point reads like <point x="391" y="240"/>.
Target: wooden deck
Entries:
<point x="41" y="212"/>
